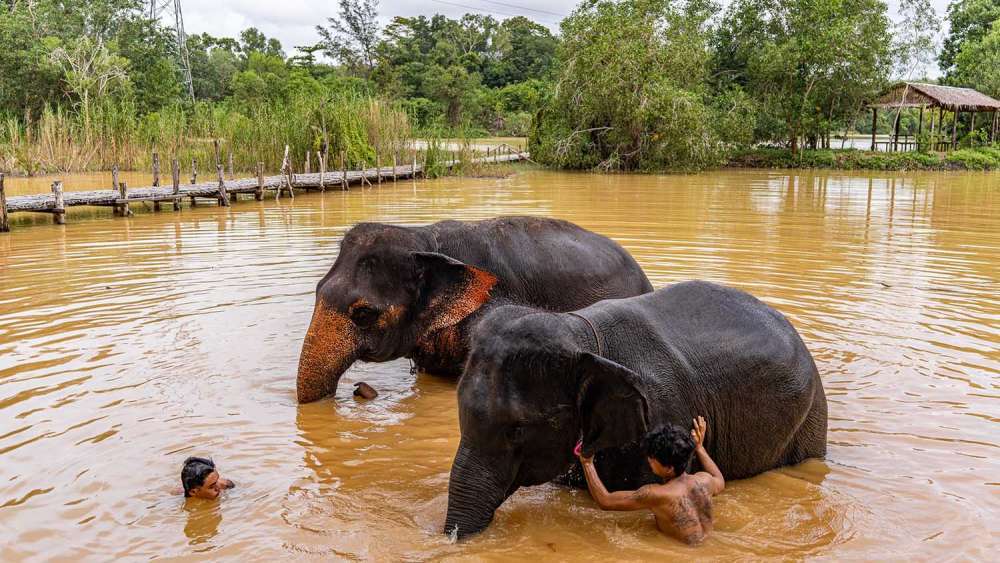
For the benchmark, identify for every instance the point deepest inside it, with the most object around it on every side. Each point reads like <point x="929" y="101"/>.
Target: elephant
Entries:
<point x="417" y="292"/>
<point x="537" y="381"/>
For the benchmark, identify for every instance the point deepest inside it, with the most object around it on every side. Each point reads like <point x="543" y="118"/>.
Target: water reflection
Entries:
<point x="203" y="519"/>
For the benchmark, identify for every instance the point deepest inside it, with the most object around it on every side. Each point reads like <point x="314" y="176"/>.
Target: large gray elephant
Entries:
<point x="537" y="381"/>
<point x="417" y="292"/>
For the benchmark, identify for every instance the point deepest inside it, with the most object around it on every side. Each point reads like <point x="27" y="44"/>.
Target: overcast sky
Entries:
<point x="294" y="22"/>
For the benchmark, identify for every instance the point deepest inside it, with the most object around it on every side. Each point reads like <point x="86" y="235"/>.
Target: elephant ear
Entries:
<point x="450" y="290"/>
<point x="613" y="407"/>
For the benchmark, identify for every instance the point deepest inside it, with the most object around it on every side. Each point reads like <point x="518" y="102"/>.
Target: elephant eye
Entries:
<point x="364" y="316"/>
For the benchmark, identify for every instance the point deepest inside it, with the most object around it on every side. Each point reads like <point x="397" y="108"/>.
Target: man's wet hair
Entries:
<point x="670" y="445"/>
<point x="194" y="473"/>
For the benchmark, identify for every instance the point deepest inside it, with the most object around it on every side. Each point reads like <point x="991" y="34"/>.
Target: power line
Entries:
<point x="516" y="7"/>
<point x="480" y="10"/>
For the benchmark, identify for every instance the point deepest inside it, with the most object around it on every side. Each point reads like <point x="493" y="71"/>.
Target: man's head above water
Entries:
<point x="201" y="480"/>
<point x="669" y="450"/>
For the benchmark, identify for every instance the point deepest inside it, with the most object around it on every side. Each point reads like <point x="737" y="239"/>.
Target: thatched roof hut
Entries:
<point x="920" y="94"/>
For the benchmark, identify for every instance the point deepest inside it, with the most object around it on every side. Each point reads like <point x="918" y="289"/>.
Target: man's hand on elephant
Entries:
<point x="699" y="430"/>
<point x="578" y="452"/>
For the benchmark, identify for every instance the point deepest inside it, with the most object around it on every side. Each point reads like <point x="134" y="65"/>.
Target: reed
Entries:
<point x="61" y="140"/>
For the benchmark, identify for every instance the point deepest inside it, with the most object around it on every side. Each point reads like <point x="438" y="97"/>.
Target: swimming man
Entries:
<point x="682" y="504"/>
<point x="201" y="479"/>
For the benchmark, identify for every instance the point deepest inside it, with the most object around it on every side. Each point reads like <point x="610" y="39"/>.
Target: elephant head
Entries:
<point x="385" y="295"/>
<point x="529" y="392"/>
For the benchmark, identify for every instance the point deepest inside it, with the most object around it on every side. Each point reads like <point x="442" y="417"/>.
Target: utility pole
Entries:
<point x="156" y="13"/>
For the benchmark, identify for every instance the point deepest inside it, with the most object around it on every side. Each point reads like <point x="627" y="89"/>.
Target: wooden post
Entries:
<point x="194" y="170"/>
<point x="123" y="209"/>
<point x="232" y="170"/>
<point x="972" y="130"/>
<point x="413" y="167"/>
<point x="223" y="196"/>
<point x="218" y="154"/>
<point x="322" y="170"/>
<point x="4" y="221"/>
<point x="156" y="169"/>
<point x="308" y="169"/>
<point x="424" y="167"/>
<point x="59" y="209"/>
<point x="175" y="177"/>
<point x="284" y="173"/>
<point x="156" y="177"/>
<point x="364" y="173"/>
<point x="343" y="172"/>
<point x="920" y="127"/>
<point x="954" y="130"/>
<point x="394" y="162"/>
<point x="116" y="185"/>
<point x="378" y="166"/>
<point x="259" y="194"/>
<point x="895" y="131"/>
<point x="289" y="176"/>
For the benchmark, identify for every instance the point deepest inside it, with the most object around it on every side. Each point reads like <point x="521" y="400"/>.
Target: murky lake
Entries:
<point x="129" y="344"/>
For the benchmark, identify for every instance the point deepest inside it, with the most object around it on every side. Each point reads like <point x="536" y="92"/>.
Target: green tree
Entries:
<point x="631" y="94"/>
<point x="808" y="64"/>
<point x="353" y="36"/>
<point x="968" y="21"/>
<point x="92" y="71"/>
<point x="526" y="50"/>
<point x="978" y="63"/>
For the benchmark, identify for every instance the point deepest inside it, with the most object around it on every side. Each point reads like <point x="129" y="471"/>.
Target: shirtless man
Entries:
<point x="682" y="505"/>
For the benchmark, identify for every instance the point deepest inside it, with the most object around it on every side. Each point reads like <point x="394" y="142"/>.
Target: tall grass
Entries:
<point x="59" y="140"/>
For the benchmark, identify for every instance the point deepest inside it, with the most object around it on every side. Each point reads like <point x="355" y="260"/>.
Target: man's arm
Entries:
<point x="716" y="482"/>
<point x="620" y="500"/>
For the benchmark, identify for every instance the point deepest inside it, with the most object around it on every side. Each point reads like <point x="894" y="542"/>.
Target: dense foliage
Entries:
<point x="628" y="84"/>
<point x="633" y="93"/>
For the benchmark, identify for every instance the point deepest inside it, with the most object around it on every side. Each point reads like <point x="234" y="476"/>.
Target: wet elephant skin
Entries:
<point x="537" y="381"/>
<point x="417" y="292"/>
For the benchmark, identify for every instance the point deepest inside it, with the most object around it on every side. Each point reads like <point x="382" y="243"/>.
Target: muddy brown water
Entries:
<point x="128" y="344"/>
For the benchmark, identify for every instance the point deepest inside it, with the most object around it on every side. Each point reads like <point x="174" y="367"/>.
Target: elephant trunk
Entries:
<point x="330" y="347"/>
<point x="475" y="491"/>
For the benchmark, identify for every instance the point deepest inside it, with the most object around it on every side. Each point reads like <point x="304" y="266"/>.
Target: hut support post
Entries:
<point x="972" y="130"/>
<point x="954" y="131"/>
<point x="895" y="131"/>
<point x="874" y="123"/>
<point x="59" y="209"/>
<point x="4" y="220"/>
<point x="920" y="127"/>
<point x="175" y="177"/>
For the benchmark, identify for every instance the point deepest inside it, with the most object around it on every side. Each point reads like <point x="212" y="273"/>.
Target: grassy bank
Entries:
<point x="61" y="141"/>
<point x="981" y="158"/>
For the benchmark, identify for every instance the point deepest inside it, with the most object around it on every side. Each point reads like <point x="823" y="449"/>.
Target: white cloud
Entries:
<point x="294" y="22"/>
